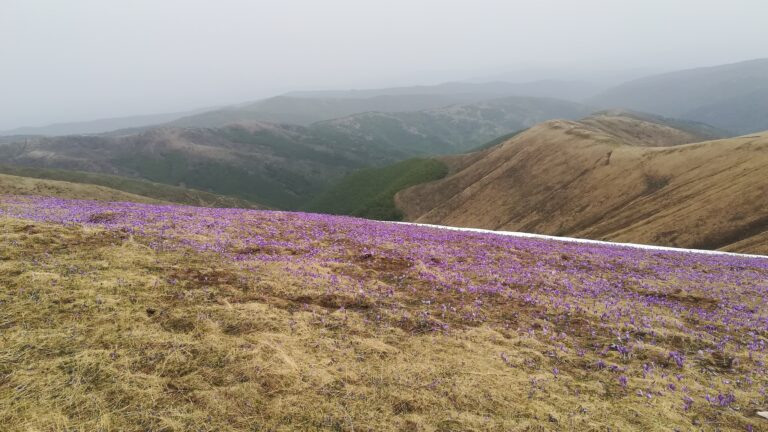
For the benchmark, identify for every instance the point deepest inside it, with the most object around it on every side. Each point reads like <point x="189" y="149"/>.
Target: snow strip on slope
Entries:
<point x="578" y="240"/>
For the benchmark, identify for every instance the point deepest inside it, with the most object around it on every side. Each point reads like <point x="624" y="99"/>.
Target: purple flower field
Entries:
<point x="689" y="328"/>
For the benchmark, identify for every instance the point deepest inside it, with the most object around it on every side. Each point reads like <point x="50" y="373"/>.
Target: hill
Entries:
<point x="144" y="188"/>
<point x="138" y="317"/>
<point x="355" y="194"/>
<point x="283" y="166"/>
<point x="16" y="185"/>
<point x="590" y="179"/>
<point x="648" y="130"/>
<point x="717" y="95"/>
<point x="451" y="129"/>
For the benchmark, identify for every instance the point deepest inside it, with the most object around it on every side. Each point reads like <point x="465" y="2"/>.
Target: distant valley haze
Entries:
<point x="84" y="60"/>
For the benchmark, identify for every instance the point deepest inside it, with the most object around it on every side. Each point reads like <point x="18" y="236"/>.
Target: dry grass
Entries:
<point x="100" y="333"/>
<point x="15" y="185"/>
<point x="593" y="179"/>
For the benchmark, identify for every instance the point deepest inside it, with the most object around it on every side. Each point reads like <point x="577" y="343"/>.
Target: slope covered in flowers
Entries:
<point x="371" y="325"/>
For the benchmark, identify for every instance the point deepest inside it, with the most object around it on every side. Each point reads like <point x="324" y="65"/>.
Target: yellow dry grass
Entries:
<point x="100" y="333"/>
<point x="593" y="179"/>
<point x="14" y="185"/>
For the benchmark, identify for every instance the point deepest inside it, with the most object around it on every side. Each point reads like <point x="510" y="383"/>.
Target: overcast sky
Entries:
<point x="85" y="59"/>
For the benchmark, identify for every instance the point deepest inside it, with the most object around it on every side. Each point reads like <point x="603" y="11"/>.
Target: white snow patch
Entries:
<point x="578" y="240"/>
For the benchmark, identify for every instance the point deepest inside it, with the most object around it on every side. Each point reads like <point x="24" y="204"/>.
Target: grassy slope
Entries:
<point x="643" y="129"/>
<point x="158" y="191"/>
<point x="496" y="141"/>
<point x="15" y="185"/>
<point x="102" y="332"/>
<point x="575" y="179"/>
<point x="145" y="340"/>
<point x="370" y="192"/>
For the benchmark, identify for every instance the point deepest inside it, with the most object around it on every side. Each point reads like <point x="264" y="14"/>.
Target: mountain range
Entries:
<point x="284" y="165"/>
<point x="304" y="108"/>
<point x="732" y="97"/>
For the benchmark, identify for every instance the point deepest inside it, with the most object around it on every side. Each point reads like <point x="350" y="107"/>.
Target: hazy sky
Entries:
<point x="85" y="59"/>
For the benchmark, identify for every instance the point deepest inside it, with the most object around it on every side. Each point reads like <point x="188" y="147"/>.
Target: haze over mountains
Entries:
<point x="574" y="91"/>
<point x="98" y="126"/>
<point x="304" y="108"/>
<point x="731" y="97"/>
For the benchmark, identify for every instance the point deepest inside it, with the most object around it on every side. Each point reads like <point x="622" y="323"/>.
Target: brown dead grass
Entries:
<point x="101" y="333"/>
<point x="14" y="185"/>
<point x="592" y="180"/>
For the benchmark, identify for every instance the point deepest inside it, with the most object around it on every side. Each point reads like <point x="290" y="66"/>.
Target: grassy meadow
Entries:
<point x="129" y="316"/>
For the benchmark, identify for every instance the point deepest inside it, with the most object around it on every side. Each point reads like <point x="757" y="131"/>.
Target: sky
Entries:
<point x="78" y="60"/>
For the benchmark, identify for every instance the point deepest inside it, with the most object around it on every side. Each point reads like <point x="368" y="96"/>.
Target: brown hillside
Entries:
<point x="13" y="185"/>
<point x="635" y="130"/>
<point x="593" y="179"/>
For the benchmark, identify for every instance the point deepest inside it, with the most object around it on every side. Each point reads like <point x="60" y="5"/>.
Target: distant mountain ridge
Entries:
<point x="100" y="125"/>
<point x="574" y="91"/>
<point x="137" y="187"/>
<point x="304" y="108"/>
<point x="743" y="113"/>
<point x="305" y="111"/>
<point x="731" y="96"/>
<point x="451" y="129"/>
